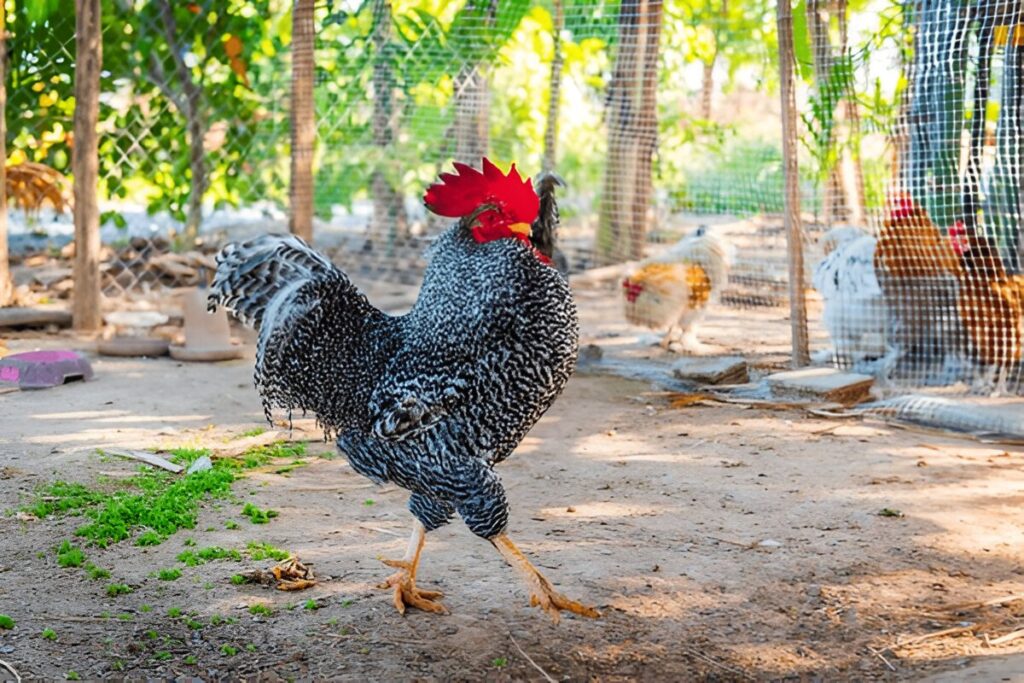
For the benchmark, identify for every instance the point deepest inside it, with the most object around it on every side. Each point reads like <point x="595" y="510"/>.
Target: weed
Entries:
<point x="368" y="502"/>
<point x="216" y="620"/>
<point x="262" y="551"/>
<point x="124" y="616"/>
<point x="255" y="431"/>
<point x="174" y="612"/>
<point x="169" y="574"/>
<point x="257" y="516"/>
<point x="72" y="676"/>
<point x="499" y="662"/>
<point x="49" y="634"/>
<point x="163" y="655"/>
<point x="96" y="573"/>
<point x="237" y="579"/>
<point x="189" y="542"/>
<point x="152" y="635"/>
<point x="193" y="624"/>
<point x="311" y="604"/>
<point x="261" y="610"/>
<point x="69" y="556"/>
<point x="145" y="609"/>
<point x="191" y="660"/>
<point x="194" y="558"/>
<point x="115" y="589"/>
<point x="228" y="651"/>
<point x="231" y="524"/>
<point x="251" y="647"/>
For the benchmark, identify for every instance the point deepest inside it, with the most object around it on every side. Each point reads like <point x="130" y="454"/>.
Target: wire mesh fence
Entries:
<point x="662" y="117"/>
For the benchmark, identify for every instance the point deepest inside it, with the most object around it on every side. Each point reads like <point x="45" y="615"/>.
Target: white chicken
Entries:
<point x="672" y="291"/>
<point x="855" y="313"/>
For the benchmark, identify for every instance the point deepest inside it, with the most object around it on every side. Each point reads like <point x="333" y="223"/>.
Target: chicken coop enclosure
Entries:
<point x="891" y="188"/>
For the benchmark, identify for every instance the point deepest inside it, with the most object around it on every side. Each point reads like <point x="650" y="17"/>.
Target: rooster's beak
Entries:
<point x="521" y="228"/>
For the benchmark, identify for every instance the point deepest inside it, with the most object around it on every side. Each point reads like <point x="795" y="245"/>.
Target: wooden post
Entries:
<point x="794" y="230"/>
<point x="6" y="286"/>
<point x="303" y="119"/>
<point x="85" y="307"/>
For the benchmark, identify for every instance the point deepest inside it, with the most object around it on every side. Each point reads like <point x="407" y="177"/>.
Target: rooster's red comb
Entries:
<point x="902" y="206"/>
<point x="459" y="194"/>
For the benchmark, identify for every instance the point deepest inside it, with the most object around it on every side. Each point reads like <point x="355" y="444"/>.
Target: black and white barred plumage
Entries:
<point x="430" y="400"/>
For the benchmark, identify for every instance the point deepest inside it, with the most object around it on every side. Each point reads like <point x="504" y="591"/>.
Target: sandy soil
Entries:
<point x="721" y="543"/>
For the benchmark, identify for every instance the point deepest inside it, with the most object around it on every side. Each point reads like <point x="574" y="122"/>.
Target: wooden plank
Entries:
<point x="302" y="120"/>
<point x="34" y="317"/>
<point x="85" y="164"/>
<point x="712" y="370"/>
<point x="146" y="457"/>
<point x="828" y="384"/>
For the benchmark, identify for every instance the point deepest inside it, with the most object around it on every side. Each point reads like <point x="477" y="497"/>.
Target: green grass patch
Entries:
<point x="228" y="651"/>
<point x="174" y="612"/>
<point x="263" y="551"/>
<point x="69" y="555"/>
<point x="73" y="676"/>
<point x="158" y="501"/>
<point x="6" y="622"/>
<point x="255" y="431"/>
<point x="115" y="589"/>
<point x="48" y="634"/>
<point x="172" y="574"/>
<point x="96" y="573"/>
<point x="261" y="610"/>
<point x="163" y="655"/>
<point x="191" y="660"/>
<point x="194" y="558"/>
<point x="257" y="516"/>
<point x="261" y="455"/>
<point x="311" y="604"/>
<point x="237" y="579"/>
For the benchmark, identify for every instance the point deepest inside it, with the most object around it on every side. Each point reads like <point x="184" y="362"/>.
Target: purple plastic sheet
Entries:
<point x="43" y="369"/>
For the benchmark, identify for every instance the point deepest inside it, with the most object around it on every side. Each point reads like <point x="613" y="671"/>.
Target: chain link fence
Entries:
<point x="662" y="117"/>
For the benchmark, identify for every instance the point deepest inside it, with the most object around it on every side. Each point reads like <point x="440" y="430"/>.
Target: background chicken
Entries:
<point x="855" y="313"/>
<point x="673" y="290"/>
<point x="990" y="304"/>
<point x="917" y="271"/>
<point x="433" y="399"/>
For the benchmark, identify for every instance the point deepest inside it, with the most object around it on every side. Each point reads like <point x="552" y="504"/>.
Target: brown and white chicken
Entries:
<point x="673" y="291"/>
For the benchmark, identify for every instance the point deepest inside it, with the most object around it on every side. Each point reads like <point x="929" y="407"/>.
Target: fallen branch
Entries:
<point x="534" y="664"/>
<point x="1002" y="600"/>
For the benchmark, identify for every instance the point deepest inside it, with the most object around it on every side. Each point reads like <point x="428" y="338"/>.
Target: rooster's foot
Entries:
<point x="406" y="593"/>
<point x="542" y="593"/>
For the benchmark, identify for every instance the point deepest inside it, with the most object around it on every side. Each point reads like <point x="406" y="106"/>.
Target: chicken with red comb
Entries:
<point x="434" y="399"/>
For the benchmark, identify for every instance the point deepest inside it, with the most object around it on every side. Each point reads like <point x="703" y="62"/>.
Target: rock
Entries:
<point x="769" y="543"/>
<point x="200" y="465"/>
<point x="723" y="370"/>
<point x="827" y="384"/>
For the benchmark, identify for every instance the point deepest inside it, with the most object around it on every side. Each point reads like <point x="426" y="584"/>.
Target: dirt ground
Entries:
<point x="720" y="542"/>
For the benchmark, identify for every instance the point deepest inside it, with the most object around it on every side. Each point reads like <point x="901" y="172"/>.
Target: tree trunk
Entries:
<point x="707" y="88"/>
<point x="856" y="196"/>
<point x="6" y="286"/>
<point x="632" y="133"/>
<point x="554" y="90"/>
<point x="303" y="119"/>
<point x="834" y="202"/>
<point x="472" y="101"/>
<point x="935" y="111"/>
<point x="1005" y="197"/>
<point x="389" y="225"/>
<point x="975" y="159"/>
<point x="794" y="231"/>
<point x="191" y="109"/>
<point x="85" y="164"/>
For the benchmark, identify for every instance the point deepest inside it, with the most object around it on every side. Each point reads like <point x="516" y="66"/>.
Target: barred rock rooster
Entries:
<point x="855" y="314"/>
<point x="991" y="305"/>
<point x="672" y="291"/>
<point x="431" y="400"/>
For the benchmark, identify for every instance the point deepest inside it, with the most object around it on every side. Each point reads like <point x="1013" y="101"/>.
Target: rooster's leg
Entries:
<point x="542" y="593"/>
<point x="404" y="580"/>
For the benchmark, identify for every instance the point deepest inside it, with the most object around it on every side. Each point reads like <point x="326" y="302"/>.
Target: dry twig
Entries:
<point x="534" y="664"/>
<point x="17" y="676"/>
